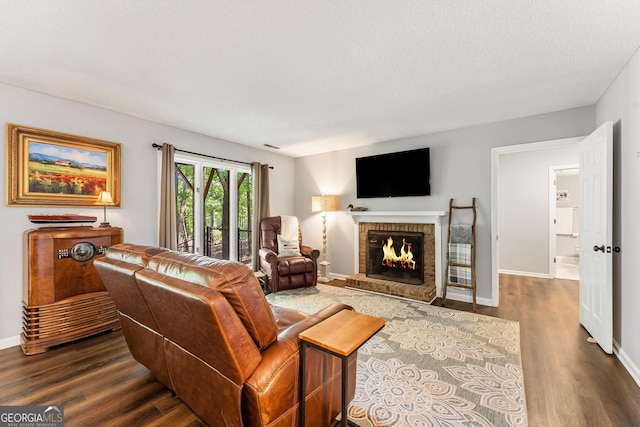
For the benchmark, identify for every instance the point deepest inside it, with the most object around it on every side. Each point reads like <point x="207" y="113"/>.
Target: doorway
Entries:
<point x="564" y="227"/>
<point x="525" y="233"/>
<point x="596" y="205"/>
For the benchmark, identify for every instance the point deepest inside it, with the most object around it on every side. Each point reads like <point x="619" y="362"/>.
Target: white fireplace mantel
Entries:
<point x="409" y="217"/>
<point x="416" y="217"/>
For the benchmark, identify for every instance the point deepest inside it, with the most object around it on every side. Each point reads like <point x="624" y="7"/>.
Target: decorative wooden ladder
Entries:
<point x="461" y="253"/>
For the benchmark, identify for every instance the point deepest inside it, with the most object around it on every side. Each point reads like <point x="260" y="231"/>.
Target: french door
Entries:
<point x="214" y="205"/>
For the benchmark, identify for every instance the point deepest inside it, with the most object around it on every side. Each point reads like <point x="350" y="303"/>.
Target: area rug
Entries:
<point x="428" y="366"/>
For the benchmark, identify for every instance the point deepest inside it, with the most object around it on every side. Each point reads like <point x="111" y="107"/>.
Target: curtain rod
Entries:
<point x="154" y="145"/>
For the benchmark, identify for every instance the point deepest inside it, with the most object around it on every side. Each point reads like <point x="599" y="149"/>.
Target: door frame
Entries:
<point x="553" y="247"/>
<point x="495" y="169"/>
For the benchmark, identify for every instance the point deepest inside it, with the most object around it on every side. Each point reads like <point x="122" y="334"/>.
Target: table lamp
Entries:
<point x="105" y="199"/>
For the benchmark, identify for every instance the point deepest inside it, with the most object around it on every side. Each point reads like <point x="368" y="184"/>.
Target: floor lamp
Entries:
<point x="324" y="204"/>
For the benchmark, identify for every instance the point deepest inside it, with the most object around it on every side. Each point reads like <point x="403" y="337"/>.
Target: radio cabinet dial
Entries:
<point x="83" y="251"/>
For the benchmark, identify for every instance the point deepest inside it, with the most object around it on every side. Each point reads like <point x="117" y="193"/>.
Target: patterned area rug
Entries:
<point x="429" y="366"/>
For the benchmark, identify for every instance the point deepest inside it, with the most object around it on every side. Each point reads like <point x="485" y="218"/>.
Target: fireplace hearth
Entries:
<point x="405" y="223"/>
<point x="395" y="256"/>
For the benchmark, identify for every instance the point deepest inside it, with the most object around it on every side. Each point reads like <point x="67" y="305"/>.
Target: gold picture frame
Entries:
<point x="48" y="168"/>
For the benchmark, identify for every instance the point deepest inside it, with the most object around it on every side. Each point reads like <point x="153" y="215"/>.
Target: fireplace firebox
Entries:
<point x="395" y="256"/>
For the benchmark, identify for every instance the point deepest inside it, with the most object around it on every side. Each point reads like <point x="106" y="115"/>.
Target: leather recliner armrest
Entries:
<point x="287" y="346"/>
<point x="310" y="252"/>
<point x="268" y="261"/>
<point x="270" y="386"/>
<point x="267" y="254"/>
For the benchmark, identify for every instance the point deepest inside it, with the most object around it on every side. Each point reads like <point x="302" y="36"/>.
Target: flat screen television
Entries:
<point x="400" y="174"/>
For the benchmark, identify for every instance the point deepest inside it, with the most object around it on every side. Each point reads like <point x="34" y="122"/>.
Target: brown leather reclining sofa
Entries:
<point x="205" y="330"/>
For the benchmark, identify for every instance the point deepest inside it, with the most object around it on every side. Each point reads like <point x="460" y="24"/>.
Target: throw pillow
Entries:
<point x="288" y="247"/>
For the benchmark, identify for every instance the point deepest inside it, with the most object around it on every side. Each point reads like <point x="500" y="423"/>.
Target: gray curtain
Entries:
<point x="261" y="207"/>
<point x="167" y="237"/>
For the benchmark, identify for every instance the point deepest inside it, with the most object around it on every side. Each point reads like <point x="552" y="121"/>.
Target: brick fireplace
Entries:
<point x="426" y="224"/>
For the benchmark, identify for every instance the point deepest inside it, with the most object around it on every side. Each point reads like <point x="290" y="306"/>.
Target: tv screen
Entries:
<point x="401" y="174"/>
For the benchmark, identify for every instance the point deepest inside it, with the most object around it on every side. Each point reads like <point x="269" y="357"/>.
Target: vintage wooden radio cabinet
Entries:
<point x="63" y="296"/>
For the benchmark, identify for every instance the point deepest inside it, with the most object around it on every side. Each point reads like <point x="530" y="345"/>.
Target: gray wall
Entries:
<point x="523" y="208"/>
<point x="138" y="215"/>
<point x="621" y="105"/>
<point x="460" y="169"/>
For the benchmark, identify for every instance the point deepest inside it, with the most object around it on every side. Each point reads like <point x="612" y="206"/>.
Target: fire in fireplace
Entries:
<point x="395" y="256"/>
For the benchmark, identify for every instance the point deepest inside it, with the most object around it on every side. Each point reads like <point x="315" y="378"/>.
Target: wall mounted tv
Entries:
<point x="401" y="174"/>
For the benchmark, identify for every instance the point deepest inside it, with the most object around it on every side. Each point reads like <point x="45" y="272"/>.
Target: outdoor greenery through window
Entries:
<point x="214" y="205"/>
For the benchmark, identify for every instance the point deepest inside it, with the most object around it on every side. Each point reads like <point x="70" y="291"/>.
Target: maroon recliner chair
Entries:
<point x="285" y="271"/>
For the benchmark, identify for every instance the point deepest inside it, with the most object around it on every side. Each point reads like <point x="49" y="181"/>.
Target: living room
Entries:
<point x="461" y="167"/>
<point x="296" y="180"/>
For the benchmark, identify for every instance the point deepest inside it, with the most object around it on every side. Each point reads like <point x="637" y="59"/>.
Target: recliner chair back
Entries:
<point x="285" y="272"/>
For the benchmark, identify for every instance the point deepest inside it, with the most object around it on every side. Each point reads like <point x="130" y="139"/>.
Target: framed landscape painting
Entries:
<point x="47" y="168"/>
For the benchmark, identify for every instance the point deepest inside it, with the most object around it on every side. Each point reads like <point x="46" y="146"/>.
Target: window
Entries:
<point x="214" y="204"/>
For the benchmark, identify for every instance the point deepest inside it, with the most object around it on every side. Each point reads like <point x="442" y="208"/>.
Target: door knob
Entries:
<point x="598" y="248"/>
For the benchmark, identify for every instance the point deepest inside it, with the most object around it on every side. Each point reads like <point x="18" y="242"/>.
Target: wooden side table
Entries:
<point x="340" y="335"/>
<point x="263" y="280"/>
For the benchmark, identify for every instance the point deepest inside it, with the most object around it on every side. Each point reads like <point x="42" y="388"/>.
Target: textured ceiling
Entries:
<point x="315" y="76"/>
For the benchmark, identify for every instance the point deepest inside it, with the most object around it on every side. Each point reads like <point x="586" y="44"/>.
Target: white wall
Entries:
<point x="138" y="215"/>
<point x="523" y="208"/>
<point x="460" y="169"/>
<point x="621" y="104"/>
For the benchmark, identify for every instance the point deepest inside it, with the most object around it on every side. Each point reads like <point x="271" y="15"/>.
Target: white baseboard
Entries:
<point x="456" y="296"/>
<point x="633" y="370"/>
<point x="9" y="342"/>
<point x="524" y="273"/>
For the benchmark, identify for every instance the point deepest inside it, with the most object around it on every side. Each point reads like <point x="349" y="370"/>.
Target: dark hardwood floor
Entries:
<point x="568" y="382"/>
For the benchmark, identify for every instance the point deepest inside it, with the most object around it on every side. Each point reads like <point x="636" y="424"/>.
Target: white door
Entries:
<point x="596" y="188"/>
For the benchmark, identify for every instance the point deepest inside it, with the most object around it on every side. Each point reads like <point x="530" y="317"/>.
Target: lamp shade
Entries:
<point x="105" y="198"/>
<point x="324" y="203"/>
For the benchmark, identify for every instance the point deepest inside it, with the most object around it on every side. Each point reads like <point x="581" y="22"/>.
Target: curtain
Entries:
<point x="261" y="207"/>
<point x="167" y="236"/>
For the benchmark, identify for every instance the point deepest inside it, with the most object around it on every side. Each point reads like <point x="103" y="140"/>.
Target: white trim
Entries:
<point x="385" y="214"/>
<point x="198" y="162"/>
<point x="552" y="223"/>
<point x="457" y="296"/>
<point x="9" y="342"/>
<point x="626" y="361"/>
